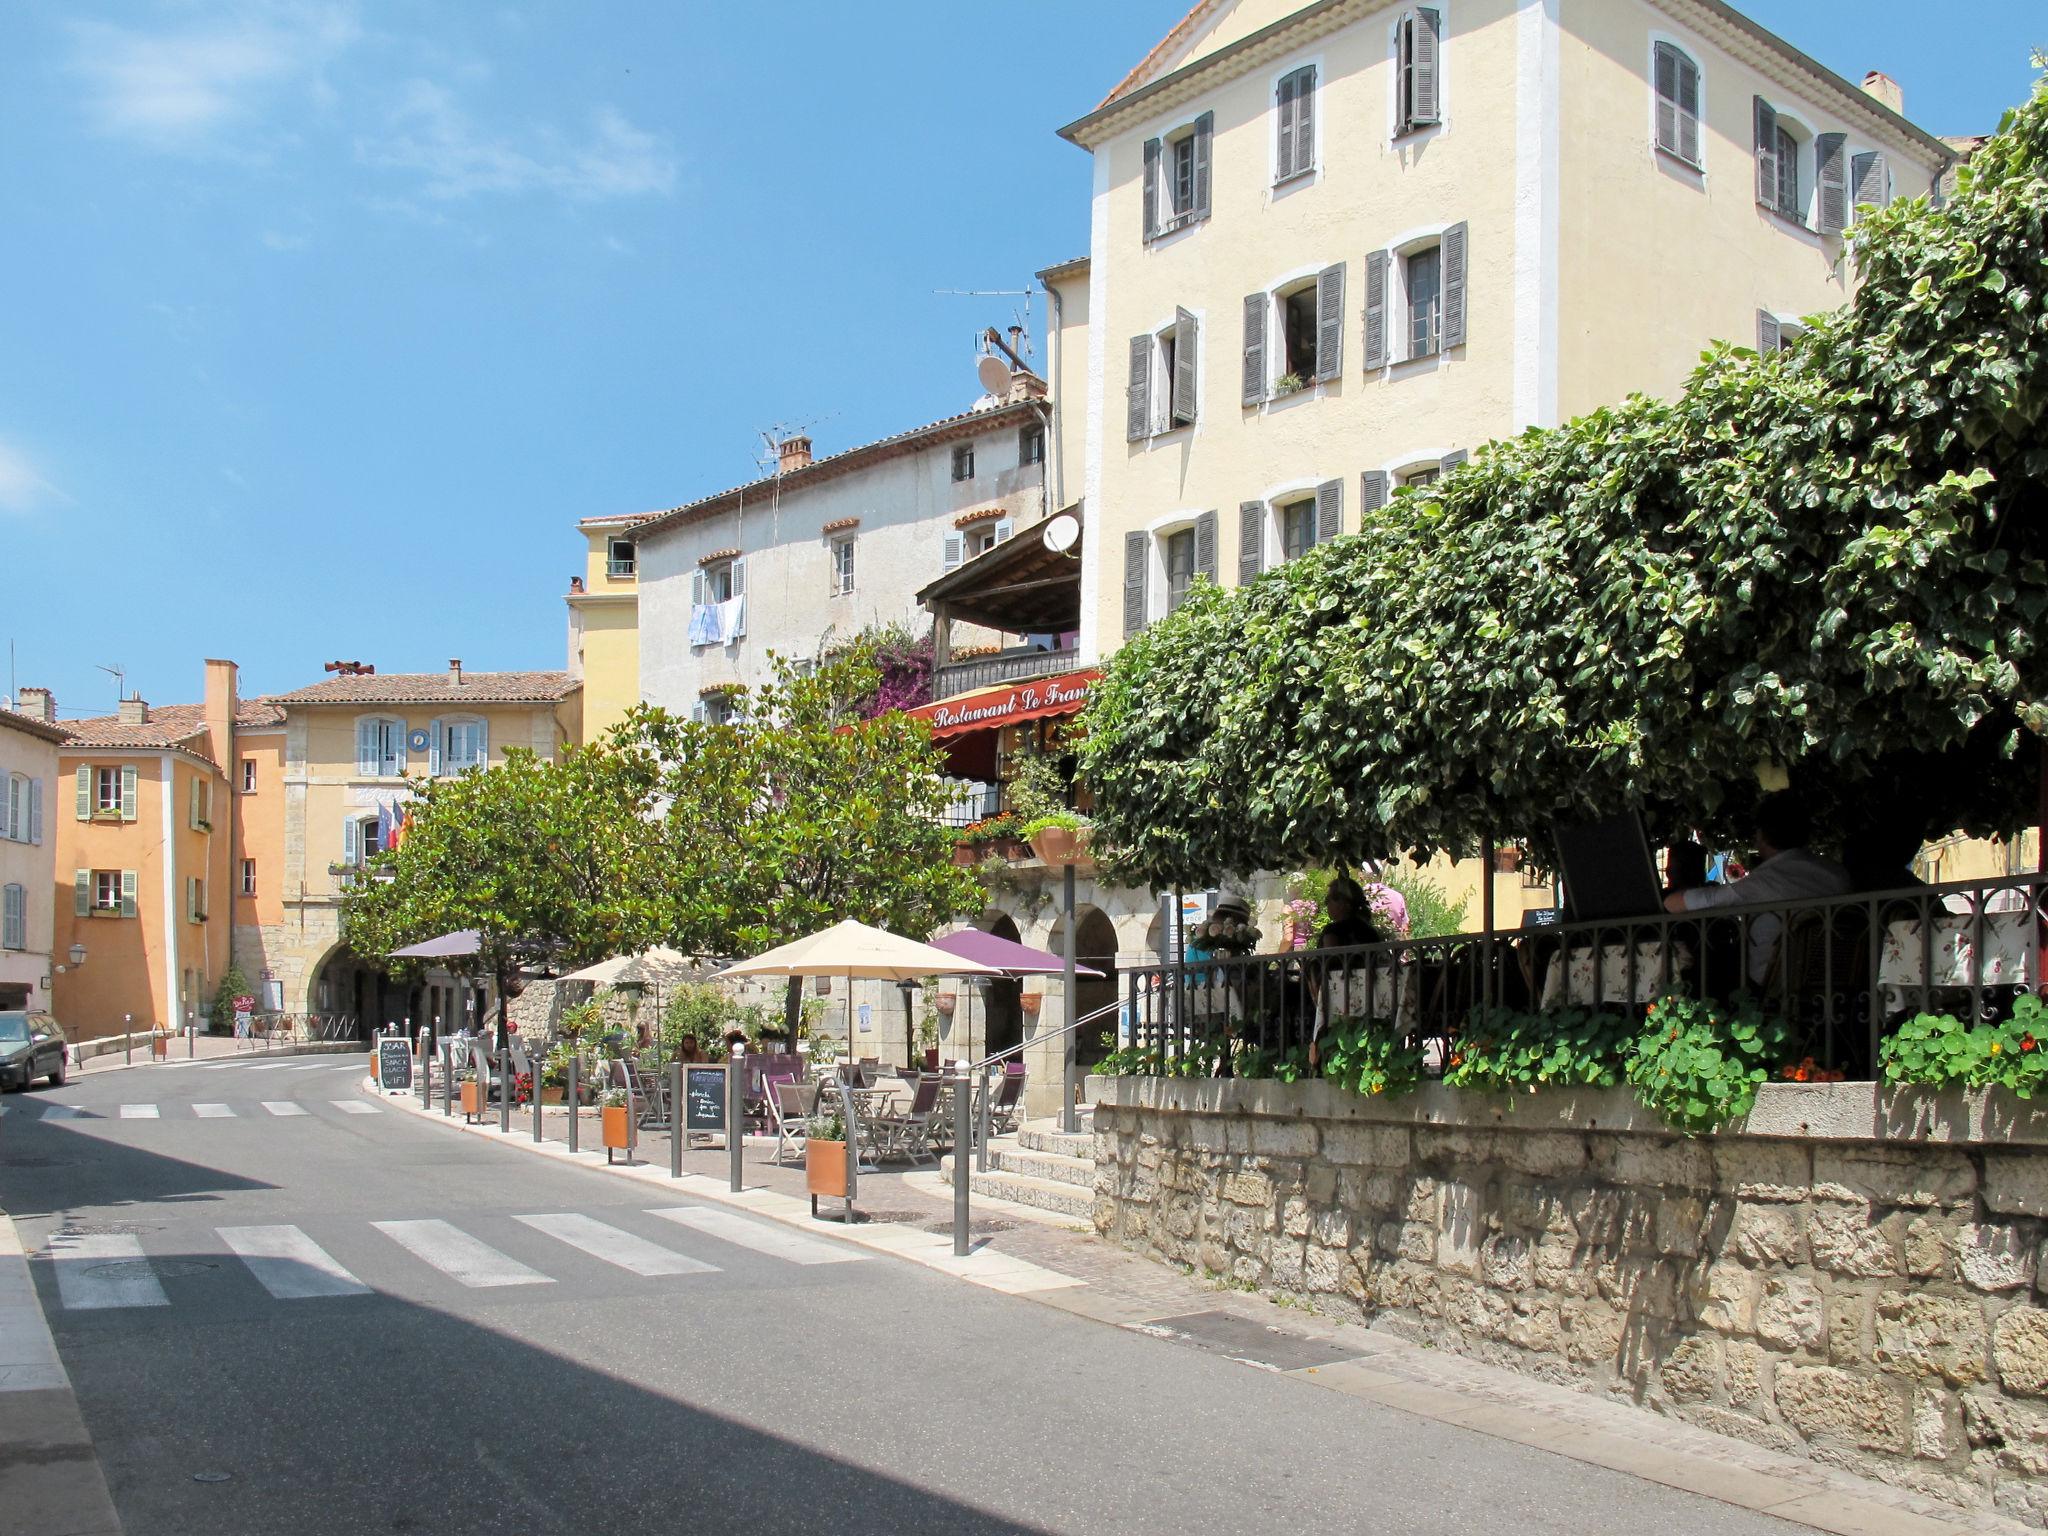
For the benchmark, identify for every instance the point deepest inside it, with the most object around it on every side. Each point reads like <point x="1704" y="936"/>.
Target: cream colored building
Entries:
<point x="1334" y="248"/>
<point x="604" y="621"/>
<point x="28" y="855"/>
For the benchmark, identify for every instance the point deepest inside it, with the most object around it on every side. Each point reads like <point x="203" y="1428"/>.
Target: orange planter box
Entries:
<point x="618" y="1125"/>
<point x="825" y="1168"/>
<point x="472" y="1099"/>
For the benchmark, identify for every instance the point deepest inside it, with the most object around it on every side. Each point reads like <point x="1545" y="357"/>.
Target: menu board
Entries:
<point x="703" y="1098"/>
<point x="394" y="1063"/>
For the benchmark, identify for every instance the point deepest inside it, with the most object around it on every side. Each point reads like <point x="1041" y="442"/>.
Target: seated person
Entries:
<point x="1350" y="919"/>
<point x="1685" y="868"/>
<point x="1786" y="870"/>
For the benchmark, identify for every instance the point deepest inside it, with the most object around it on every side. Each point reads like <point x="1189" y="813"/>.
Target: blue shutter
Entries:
<point x="434" y="739"/>
<point x="35" y="811"/>
<point x="351" y="841"/>
<point x="81" y="892"/>
<point x="367" y="745"/>
<point x="483" y="743"/>
<point x="128" y="794"/>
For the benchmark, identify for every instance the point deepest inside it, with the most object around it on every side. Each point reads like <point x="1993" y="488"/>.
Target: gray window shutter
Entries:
<point x="352" y="841"/>
<point x="128" y="794"/>
<point x="1205" y="128"/>
<point x="1330" y="323"/>
<point x="1427" y="54"/>
<point x="35" y="811"/>
<point x="483" y="743"/>
<point x="955" y="551"/>
<point x="1205" y="545"/>
<point x="1283" y="159"/>
<point x="1873" y="179"/>
<point x="81" y="892"/>
<point x="1830" y="159"/>
<point x="1151" y="188"/>
<point x="84" y="793"/>
<point x="128" y="893"/>
<point x="1766" y="153"/>
<point x="368" y="743"/>
<point x="1329" y="510"/>
<point x="1254" y="348"/>
<point x="1138" y="393"/>
<point x="1688" y="110"/>
<point x="435" y="736"/>
<point x="1186" y="337"/>
<point x="1454" y="286"/>
<point x="1451" y="461"/>
<point x="1376" y="310"/>
<point x="1373" y="486"/>
<point x="1137" y="553"/>
<point x="1767" y="338"/>
<point x="1664" y="86"/>
<point x="1251" y="541"/>
<point x="1305" y="120"/>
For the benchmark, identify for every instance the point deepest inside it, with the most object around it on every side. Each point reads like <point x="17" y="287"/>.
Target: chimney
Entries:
<point x="219" y="710"/>
<point x="454" y="671"/>
<point x="134" y="711"/>
<point x="37" y="704"/>
<point x="1882" y="87"/>
<point x="1025" y="385"/>
<point x="792" y="453"/>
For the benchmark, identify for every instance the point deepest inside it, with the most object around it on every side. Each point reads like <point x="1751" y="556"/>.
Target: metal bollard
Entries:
<point x="852" y="1116"/>
<point x="537" y="1132"/>
<point x="191" y="1040"/>
<point x="426" y="1055"/>
<point x="984" y="1123"/>
<point x="448" y="1080"/>
<point x="961" y="1090"/>
<point x="507" y="1081"/>
<point x="675" y="1119"/>
<point x="127" y="1038"/>
<point x="574" y="1105"/>
<point x="735" y="1124"/>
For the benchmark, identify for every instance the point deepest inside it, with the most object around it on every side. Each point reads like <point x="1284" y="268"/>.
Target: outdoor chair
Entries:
<point x="790" y="1116"/>
<point x="1008" y="1102"/>
<point x="909" y="1135"/>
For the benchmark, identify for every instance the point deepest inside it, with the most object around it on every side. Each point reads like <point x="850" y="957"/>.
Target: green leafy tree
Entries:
<point x="233" y="984"/>
<point x="1833" y="560"/>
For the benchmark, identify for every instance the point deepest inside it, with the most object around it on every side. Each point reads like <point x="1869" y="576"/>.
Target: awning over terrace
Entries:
<point x="966" y="724"/>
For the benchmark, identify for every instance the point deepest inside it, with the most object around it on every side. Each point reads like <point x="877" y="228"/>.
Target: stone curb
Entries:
<point x="50" y="1479"/>
<point x="95" y="1066"/>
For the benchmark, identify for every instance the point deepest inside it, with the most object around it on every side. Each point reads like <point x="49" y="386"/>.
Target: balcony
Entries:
<point x="620" y="570"/>
<point x="1017" y="665"/>
<point x="1024" y="586"/>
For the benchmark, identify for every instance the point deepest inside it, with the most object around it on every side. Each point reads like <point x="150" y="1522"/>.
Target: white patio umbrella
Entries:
<point x="657" y="964"/>
<point x="853" y="949"/>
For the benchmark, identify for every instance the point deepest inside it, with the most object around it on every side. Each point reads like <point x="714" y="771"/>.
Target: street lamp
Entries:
<point x="77" y="956"/>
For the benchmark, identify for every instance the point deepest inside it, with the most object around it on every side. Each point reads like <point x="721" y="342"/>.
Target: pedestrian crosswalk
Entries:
<point x="102" y="1271"/>
<point x="282" y="1109"/>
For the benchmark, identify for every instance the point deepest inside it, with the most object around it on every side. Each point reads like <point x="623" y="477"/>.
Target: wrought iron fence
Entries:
<point x="1842" y="972"/>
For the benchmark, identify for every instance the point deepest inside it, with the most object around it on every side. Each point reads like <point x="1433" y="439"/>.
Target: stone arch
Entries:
<point x="1096" y="945"/>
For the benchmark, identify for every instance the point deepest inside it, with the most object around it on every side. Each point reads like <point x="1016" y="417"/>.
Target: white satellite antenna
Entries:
<point x="1061" y="532"/>
<point x="994" y="375"/>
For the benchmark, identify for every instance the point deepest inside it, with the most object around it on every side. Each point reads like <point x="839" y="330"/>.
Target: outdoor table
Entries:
<point x="2010" y="956"/>
<point x="1395" y="992"/>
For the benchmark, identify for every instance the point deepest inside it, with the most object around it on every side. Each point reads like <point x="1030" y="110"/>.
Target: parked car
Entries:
<point x="31" y="1046"/>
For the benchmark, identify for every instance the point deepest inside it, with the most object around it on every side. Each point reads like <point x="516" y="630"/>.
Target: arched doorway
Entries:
<point x="1001" y="996"/>
<point x="349" y="990"/>
<point x="1096" y="947"/>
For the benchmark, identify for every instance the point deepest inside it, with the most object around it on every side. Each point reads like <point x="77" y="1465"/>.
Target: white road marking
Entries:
<point x="282" y="1107"/>
<point x="213" y="1112"/>
<point x="356" y="1107"/>
<point x="104" y="1270"/>
<point x="139" y="1112"/>
<point x="458" y="1255"/>
<point x="62" y="1112"/>
<point x="318" y="1066"/>
<point x="289" y="1264"/>
<point x="274" y="1066"/>
<point x="613" y="1246"/>
<point x="223" y="1066"/>
<point x="745" y="1232"/>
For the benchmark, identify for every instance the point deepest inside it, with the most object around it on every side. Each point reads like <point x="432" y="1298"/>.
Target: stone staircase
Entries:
<point x="1041" y="1166"/>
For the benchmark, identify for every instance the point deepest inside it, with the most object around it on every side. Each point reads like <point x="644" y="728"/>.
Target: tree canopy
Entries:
<point x="1832" y="560"/>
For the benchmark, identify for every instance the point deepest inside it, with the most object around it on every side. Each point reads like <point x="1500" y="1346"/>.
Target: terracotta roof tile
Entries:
<point x="434" y="688"/>
<point x="168" y="725"/>
<point x="28" y="725"/>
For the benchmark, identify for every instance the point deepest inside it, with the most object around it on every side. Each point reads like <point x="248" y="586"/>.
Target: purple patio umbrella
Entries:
<point x="1014" y="960"/>
<point x="448" y="946"/>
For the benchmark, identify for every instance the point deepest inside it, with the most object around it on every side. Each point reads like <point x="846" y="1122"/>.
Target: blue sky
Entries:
<point x="325" y="321"/>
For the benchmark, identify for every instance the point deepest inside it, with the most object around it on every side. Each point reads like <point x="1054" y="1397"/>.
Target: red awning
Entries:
<point x="987" y="709"/>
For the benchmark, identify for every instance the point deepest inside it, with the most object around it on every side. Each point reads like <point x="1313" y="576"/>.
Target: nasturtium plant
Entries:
<point x="1508" y="1051"/>
<point x="1369" y="1057"/>
<point x="1940" y="1051"/>
<point x="1698" y="1063"/>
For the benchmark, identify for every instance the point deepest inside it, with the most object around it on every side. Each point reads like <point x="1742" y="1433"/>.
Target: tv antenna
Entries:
<point x="120" y="678"/>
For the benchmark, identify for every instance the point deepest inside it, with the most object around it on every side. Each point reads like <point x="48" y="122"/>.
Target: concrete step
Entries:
<point x="1047" y="1138"/>
<point x="1050" y="1166"/>
<point x="1045" y="1194"/>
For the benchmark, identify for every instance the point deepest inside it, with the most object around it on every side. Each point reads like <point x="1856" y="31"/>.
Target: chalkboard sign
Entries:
<point x="703" y="1098"/>
<point x="394" y="1063"/>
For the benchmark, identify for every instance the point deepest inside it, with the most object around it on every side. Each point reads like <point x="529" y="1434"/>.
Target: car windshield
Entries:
<point x="13" y="1027"/>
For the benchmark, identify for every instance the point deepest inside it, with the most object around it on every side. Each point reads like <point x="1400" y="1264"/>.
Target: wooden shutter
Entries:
<point x="84" y="793"/>
<point x="1425" y="32"/>
<point x="1251" y="541"/>
<point x="1151" y="188"/>
<point x="1376" y="310"/>
<point x="127" y="893"/>
<point x="1767" y="333"/>
<point x="1254" y="348"/>
<point x="697" y="587"/>
<point x="1205" y="545"/>
<point x="1664" y="84"/>
<point x="1832" y="172"/>
<point x="1004" y="528"/>
<point x="81" y="892"/>
<point x="1330" y="323"/>
<point x="739" y="590"/>
<point x="1688" y="110"/>
<point x="955" y="551"/>
<point x="434" y="739"/>
<point x="1186" y="338"/>
<point x="483" y="743"/>
<point x="1138" y="392"/>
<point x="35" y="811"/>
<point x="1283" y="157"/>
<point x="1205" y="129"/>
<point x="1305" y="119"/>
<point x="1454" y="286"/>
<point x="1373" y="486"/>
<point x="1451" y="461"/>
<point x="1766" y="153"/>
<point x="1873" y="179"/>
<point x="1137" y="554"/>
<point x="1329" y="510"/>
<point x="191" y="900"/>
<point x="128" y="794"/>
<point x="192" y="804"/>
<point x="351" y="841"/>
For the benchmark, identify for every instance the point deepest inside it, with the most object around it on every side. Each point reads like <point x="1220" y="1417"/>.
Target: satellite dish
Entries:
<point x="1061" y="533"/>
<point x="994" y="376"/>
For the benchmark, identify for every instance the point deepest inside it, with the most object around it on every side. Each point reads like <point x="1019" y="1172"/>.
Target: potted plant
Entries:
<point x="472" y="1093"/>
<point x="1287" y="384"/>
<point x="1031" y="1002"/>
<point x="615" y="1112"/>
<point x="928" y="1031"/>
<point x="1060" y="838"/>
<point x="825" y="1156"/>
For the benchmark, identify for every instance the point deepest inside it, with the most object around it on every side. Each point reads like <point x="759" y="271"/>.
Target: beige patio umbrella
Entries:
<point x="657" y="964"/>
<point x="853" y="949"/>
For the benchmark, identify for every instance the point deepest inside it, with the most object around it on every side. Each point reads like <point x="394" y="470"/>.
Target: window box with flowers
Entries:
<point x="1001" y="835"/>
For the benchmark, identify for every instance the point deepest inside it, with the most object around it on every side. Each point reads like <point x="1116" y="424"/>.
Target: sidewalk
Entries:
<point x="1062" y="1264"/>
<point x="208" y="1048"/>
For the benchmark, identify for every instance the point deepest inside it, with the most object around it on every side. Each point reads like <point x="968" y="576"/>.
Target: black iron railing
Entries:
<point x="1843" y="972"/>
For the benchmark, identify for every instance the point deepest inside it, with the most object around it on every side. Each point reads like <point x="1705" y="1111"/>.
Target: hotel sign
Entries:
<point x="1053" y="696"/>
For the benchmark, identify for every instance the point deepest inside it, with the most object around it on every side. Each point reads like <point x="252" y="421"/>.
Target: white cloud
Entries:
<point x="22" y="487"/>
<point x="434" y="138"/>
<point x="278" y="240"/>
<point x="174" y="90"/>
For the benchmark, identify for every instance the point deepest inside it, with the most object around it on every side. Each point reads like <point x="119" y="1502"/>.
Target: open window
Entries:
<point x="963" y="462"/>
<point x="1781" y="147"/>
<point x="1418" y="69"/>
<point x="1415" y="299"/>
<point x="1161" y="393"/>
<point x="1176" y="191"/>
<point x="620" y="560"/>
<point x="459" y="743"/>
<point x="1162" y="564"/>
<point x="842" y="566"/>
<point x="1294" y="336"/>
<point x="1030" y="445"/>
<point x="718" y="606"/>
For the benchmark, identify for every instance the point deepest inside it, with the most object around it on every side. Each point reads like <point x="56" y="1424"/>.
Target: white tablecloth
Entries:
<point x="2010" y="958"/>
<point x="1571" y="974"/>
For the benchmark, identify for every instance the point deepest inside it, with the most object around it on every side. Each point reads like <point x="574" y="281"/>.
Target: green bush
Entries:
<point x="1699" y="1064"/>
<point x="233" y="984"/>
<point x="1504" y="1051"/>
<point x="1431" y="912"/>
<point x="1370" y="1058"/>
<point x="707" y="1014"/>
<point x="1940" y="1051"/>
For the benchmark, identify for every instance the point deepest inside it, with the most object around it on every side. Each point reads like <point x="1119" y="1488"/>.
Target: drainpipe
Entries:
<point x="1053" y="485"/>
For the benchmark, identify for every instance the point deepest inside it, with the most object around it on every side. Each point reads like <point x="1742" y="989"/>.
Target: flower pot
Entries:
<point x="825" y="1167"/>
<point x="554" y="1093"/>
<point x="931" y="1057"/>
<point x="945" y="1002"/>
<point x="617" y="1128"/>
<point x="1031" y="1002"/>
<point x="1061" y="846"/>
<point x="965" y="855"/>
<point x="472" y="1099"/>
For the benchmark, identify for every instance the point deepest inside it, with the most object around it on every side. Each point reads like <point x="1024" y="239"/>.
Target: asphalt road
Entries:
<point x="525" y="1347"/>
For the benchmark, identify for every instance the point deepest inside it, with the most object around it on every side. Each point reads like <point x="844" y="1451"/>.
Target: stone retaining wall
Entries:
<point x="1856" y="1277"/>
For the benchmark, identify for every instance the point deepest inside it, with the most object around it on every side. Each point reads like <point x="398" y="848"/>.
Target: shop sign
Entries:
<point x="1054" y="695"/>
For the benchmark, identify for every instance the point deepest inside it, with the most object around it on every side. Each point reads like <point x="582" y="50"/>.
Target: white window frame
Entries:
<point x="101" y="806"/>
<point x="1278" y="291"/>
<point x="384" y="756"/>
<point x="845" y="565"/>
<point x="248" y="877"/>
<point x="249" y="779"/>
<point x="444" y="729"/>
<point x="1692" y="51"/>
<point x="1158" y="531"/>
<point x="1409" y="243"/>
<point x="1396" y="136"/>
<point x="1160" y="407"/>
<point x="1314" y="173"/>
<point x="1272" y="531"/>
<point x="14" y="820"/>
<point x="994" y="530"/>
<point x="616" y="569"/>
<point x="715" y="569"/>
<point x="1167" y="223"/>
<point x="100" y="888"/>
